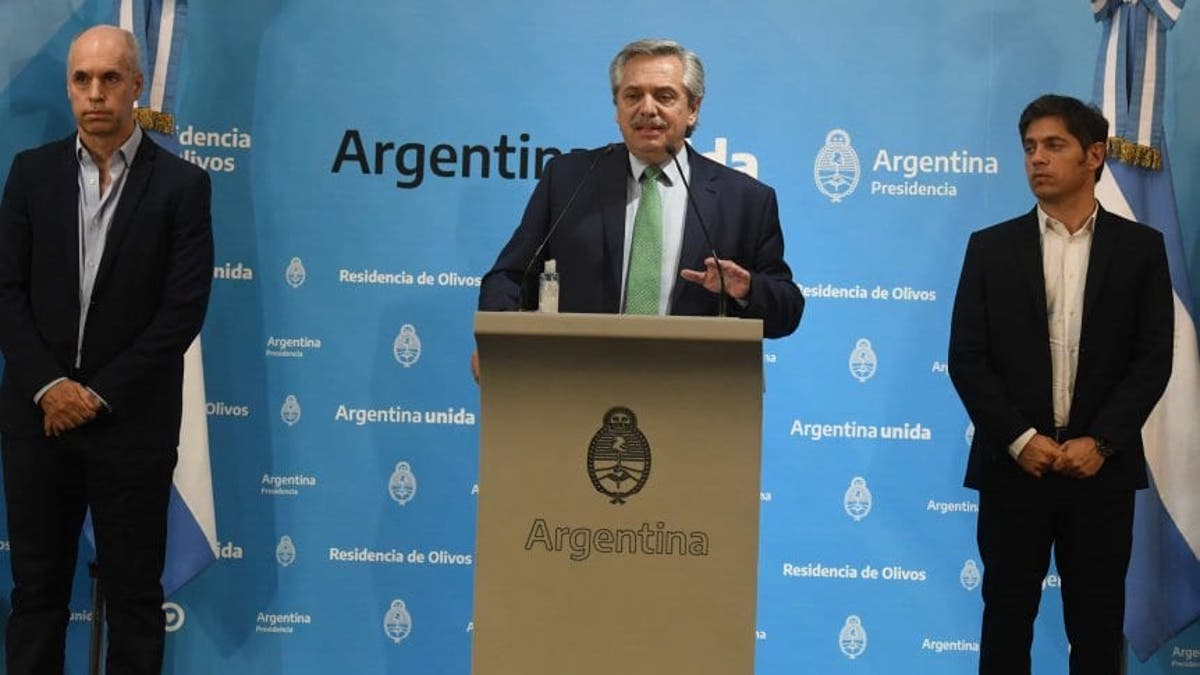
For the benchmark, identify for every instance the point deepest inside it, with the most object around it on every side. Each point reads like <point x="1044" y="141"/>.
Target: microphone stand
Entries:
<point x="674" y="153"/>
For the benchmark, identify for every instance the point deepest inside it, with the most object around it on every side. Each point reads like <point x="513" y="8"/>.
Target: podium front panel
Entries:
<point x="619" y="494"/>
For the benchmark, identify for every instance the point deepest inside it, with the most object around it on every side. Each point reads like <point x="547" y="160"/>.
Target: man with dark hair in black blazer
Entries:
<point x="105" y="268"/>
<point x="1060" y="346"/>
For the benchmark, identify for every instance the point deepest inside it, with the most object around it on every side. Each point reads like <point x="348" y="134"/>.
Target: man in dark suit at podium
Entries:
<point x="629" y="233"/>
<point x="1060" y="345"/>
<point x="105" y="266"/>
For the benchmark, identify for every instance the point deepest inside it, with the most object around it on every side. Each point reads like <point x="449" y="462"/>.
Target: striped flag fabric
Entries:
<point x="1163" y="584"/>
<point x="159" y="26"/>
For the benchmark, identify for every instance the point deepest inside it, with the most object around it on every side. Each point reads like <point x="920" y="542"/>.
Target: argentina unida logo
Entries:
<point x="174" y="615"/>
<point x="618" y="458"/>
<point x="407" y="347"/>
<point x="852" y="639"/>
<point x="836" y="169"/>
<point x="397" y="623"/>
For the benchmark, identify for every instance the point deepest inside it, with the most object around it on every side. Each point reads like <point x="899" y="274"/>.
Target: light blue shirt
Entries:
<point x="96" y="209"/>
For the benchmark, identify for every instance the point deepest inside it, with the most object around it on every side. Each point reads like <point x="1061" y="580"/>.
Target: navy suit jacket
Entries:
<point x="148" y="303"/>
<point x="741" y="213"/>
<point x="1000" y="346"/>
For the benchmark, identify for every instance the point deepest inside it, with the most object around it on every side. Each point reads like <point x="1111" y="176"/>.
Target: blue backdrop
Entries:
<point x="368" y="165"/>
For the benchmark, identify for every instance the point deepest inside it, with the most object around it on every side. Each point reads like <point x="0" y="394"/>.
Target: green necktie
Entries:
<point x="645" y="251"/>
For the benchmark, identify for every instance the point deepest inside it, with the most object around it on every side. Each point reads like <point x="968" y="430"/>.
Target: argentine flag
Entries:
<point x="1163" y="584"/>
<point x="191" y="521"/>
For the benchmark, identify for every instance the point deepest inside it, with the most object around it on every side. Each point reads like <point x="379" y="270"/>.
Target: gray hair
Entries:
<point x="693" y="70"/>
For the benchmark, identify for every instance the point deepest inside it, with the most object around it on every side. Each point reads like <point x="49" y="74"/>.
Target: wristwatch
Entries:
<point x="1105" y="448"/>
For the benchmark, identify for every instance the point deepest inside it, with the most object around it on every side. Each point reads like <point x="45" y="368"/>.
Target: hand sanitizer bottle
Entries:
<point x="548" y="289"/>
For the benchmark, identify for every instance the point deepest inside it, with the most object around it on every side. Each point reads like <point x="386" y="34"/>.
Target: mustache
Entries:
<point x="650" y="123"/>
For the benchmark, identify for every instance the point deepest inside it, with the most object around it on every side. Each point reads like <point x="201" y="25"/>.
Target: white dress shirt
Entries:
<point x="1064" y="263"/>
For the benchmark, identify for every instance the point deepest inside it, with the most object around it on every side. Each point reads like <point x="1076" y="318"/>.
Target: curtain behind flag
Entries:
<point x="1163" y="584"/>
<point x="159" y="26"/>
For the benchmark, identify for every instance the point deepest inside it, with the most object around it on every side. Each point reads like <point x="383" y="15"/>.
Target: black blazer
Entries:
<point x="741" y="213"/>
<point x="148" y="303"/>
<point x="1000" y="347"/>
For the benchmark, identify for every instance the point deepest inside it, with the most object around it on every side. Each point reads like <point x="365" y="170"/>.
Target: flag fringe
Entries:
<point x="1134" y="154"/>
<point x="153" y="120"/>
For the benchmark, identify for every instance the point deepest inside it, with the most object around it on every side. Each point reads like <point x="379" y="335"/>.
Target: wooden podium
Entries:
<point x="618" y="494"/>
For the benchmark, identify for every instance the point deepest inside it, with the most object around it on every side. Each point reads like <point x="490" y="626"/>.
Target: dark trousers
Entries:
<point x="1091" y="532"/>
<point x="49" y="483"/>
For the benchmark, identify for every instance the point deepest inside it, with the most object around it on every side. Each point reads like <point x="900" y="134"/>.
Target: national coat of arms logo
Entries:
<point x="618" y="458"/>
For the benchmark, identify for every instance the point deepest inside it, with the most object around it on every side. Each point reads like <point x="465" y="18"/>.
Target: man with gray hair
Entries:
<point x="629" y="233"/>
<point x="105" y="266"/>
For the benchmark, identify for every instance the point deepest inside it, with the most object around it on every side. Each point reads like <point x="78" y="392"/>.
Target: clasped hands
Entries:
<point x="67" y="405"/>
<point x="1076" y="458"/>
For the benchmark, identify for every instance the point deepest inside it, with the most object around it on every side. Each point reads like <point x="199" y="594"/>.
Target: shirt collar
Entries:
<point x="1047" y="222"/>
<point x="127" y="150"/>
<point x="670" y="172"/>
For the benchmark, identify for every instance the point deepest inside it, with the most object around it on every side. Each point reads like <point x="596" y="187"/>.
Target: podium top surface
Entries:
<point x="620" y="326"/>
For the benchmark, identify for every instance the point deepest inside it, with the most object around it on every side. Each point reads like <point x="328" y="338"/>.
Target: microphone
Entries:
<point x="554" y="226"/>
<point x="673" y="152"/>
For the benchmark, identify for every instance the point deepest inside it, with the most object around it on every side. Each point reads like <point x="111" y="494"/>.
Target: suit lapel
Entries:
<point x="694" y="249"/>
<point x="1029" y="254"/>
<point x="1032" y="268"/>
<point x="614" y="192"/>
<point x="1104" y="242"/>
<point x="66" y="203"/>
<point x="131" y="196"/>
